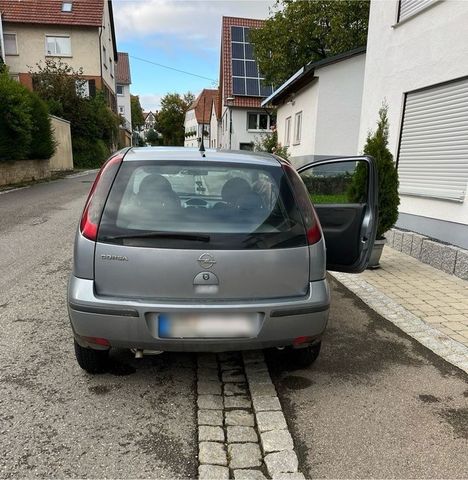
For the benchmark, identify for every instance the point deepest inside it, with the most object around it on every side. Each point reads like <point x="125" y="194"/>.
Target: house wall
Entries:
<point x="191" y="125"/>
<point x="214" y="130"/>
<point x="63" y="156"/>
<point x="124" y="101"/>
<point x="108" y="74"/>
<point x="305" y="101"/>
<point x="32" y="48"/>
<point x="429" y="48"/>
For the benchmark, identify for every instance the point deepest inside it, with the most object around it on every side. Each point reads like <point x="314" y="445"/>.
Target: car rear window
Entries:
<point x="201" y="205"/>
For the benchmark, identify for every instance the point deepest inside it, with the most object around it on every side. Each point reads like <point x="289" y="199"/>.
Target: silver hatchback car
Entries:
<point x="181" y="250"/>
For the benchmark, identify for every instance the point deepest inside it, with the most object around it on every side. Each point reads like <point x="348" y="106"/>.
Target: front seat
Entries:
<point x="156" y="192"/>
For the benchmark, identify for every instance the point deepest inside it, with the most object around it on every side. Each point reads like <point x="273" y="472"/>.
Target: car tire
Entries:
<point x="305" y="357"/>
<point x="93" y="361"/>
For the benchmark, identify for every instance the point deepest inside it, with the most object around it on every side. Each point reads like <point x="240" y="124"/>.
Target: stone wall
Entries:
<point x="63" y="156"/>
<point x="450" y="259"/>
<point x="23" y="171"/>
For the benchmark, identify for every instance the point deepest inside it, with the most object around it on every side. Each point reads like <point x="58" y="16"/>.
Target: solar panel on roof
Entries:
<point x="246" y="77"/>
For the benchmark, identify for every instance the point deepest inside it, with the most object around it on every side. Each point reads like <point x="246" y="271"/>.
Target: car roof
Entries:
<point x="188" y="154"/>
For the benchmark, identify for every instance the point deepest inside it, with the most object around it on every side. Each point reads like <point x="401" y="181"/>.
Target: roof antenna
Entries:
<point x="202" y="143"/>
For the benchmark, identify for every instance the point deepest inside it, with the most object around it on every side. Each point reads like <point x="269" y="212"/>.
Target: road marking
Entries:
<point x="3" y="192"/>
<point x="436" y="341"/>
<point x="242" y="431"/>
<point x="82" y="174"/>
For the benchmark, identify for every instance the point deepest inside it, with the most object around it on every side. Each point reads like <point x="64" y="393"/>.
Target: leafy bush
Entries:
<point x="377" y="147"/>
<point x="268" y="142"/>
<point x="43" y="144"/>
<point x="89" y="153"/>
<point x="15" y="120"/>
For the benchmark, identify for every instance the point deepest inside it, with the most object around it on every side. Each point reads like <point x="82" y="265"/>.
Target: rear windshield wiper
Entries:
<point x="176" y="235"/>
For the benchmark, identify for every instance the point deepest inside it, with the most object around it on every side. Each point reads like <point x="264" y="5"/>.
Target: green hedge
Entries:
<point x="25" y="129"/>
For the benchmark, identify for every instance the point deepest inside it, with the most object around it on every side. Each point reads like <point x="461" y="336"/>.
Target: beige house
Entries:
<point x="78" y="32"/>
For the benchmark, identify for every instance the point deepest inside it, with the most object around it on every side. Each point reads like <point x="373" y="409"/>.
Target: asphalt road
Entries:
<point x="376" y="404"/>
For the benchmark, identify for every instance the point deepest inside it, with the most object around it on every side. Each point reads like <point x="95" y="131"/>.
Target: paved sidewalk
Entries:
<point x="426" y="303"/>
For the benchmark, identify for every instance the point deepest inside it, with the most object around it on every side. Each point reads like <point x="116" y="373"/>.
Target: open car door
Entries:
<point x="344" y="192"/>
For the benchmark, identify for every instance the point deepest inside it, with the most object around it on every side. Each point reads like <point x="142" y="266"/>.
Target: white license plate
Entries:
<point x="189" y="325"/>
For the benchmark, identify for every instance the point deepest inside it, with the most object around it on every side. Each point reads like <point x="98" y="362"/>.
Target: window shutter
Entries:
<point x="409" y="7"/>
<point x="433" y="155"/>
<point x="92" y="88"/>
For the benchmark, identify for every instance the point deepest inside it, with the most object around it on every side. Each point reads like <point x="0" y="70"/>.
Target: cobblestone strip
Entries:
<point x="242" y="432"/>
<point x="441" y="344"/>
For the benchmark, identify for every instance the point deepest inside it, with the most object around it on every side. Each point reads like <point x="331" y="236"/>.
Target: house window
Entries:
<point x="104" y="56"/>
<point x="258" y="121"/>
<point x="58" y="45"/>
<point x="11" y="47"/>
<point x="287" y="132"/>
<point x="122" y="109"/>
<point x="67" y="6"/>
<point x="111" y="67"/>
<point x="120" y="89"/>
<point x="82" y="88"/>
<point x="434" y="141"/>
<point x="297" y="128"/>
<point x="408" y="8"/>
<point x="15" y="77"/>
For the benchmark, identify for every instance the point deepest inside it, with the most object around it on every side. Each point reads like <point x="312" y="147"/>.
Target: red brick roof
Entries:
<point x="49" y="12"/>
<point x="202" y="105"/>
<point x="122" y="71"/>
<point x="225" y="76"/>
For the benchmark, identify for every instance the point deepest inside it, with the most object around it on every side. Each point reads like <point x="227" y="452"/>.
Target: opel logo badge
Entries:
<point x="206" y="260"/>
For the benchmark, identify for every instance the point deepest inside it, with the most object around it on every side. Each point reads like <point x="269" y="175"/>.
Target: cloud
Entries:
<point x="151" y="101"/>
<point x="193" y="22"/>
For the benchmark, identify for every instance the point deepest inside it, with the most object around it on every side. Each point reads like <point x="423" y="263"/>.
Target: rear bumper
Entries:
<point x="133" y="324"/>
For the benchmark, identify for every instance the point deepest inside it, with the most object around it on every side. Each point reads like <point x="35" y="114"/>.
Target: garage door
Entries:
<point x="433" y="155"/>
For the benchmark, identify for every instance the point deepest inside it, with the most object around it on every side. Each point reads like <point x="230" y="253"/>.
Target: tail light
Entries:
<point x="97" y="197"/>
<point x="311" y="221"/>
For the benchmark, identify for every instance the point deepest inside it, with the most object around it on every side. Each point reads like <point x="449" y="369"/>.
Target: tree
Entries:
<point x="94" y="127"/>
<point x="170" y="118"/>
<point x="138" y="120"/>
<point x="307" y="31"/>
<point x="152" y="137"/>
<point x="377" y="146"/>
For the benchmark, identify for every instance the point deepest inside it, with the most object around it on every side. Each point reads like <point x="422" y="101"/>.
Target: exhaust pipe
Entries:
<point x="138" y="353"/>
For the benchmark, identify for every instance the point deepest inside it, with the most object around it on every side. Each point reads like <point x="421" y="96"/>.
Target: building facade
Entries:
<point x="197" y="119"/>
<point x="417" y="64"/>
<point x="123" y="82"/>
<point x="319" y="107"/>
<point x="79" y="33"/>
<point x="241" y="88"/>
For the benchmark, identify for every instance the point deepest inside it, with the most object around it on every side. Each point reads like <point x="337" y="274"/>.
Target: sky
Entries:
<point x="182" y="34"/>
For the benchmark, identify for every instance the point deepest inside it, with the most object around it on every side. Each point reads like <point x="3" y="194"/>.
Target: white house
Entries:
<point x="215" y="123"/>
<point x="241" y="88"/>
<point x="417" y="62"/>
<point x="197" y="119"/>
<point x="318" y="108"/>
<point x="123" y="81"/>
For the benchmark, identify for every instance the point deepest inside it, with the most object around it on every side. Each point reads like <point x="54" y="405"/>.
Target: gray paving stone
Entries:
<point x="239" y="418"/>
<point x="238" y="401"/>
<point x="416" y="246"/>
<point x="241" y="434"/>
<point x="233" y="376"/>
<point x="210" y="434"/>
<point x="229" y="356"/>
<point x="210" y="402"/>
<point x="449" y="256"/>
<point x="407" y="242"/>
<point x="276" y="440"/>
<point x="431" y="253"/>
<point x="461" y="264"/>
<point x="248" y="475"/>
<point x="266" y="404"/>
<point x="281" y="462"/>
<point x="271" y="421"/>
<point x="244" y="455"/>
<point x="212" y="453"/>
<point x="262" y="390"/>
<point x="210" y="417"/>
<point x="253" y="356"/>
<point x="231" y="365"/>
<point x="259" y="377"/>
<point x="209" y="388"/>
<point x="235" y="389"/>
<point x="397" y="239"/>
<point x="213" y="472"/>
<point x="208" y="374"/>
<point x="207" y="360"/>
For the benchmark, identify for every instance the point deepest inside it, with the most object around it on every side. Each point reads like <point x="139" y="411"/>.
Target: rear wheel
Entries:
<point x="93" y="361"/>
<point x="304" y="357"/>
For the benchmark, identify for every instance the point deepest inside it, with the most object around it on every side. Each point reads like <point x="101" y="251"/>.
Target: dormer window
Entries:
<point x="67" y="6"/>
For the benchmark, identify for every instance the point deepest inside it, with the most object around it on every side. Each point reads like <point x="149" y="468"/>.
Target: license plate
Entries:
<point x="207" y="325"/>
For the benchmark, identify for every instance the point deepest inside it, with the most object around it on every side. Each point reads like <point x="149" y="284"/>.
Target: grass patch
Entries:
<point x="331" y="198"/>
